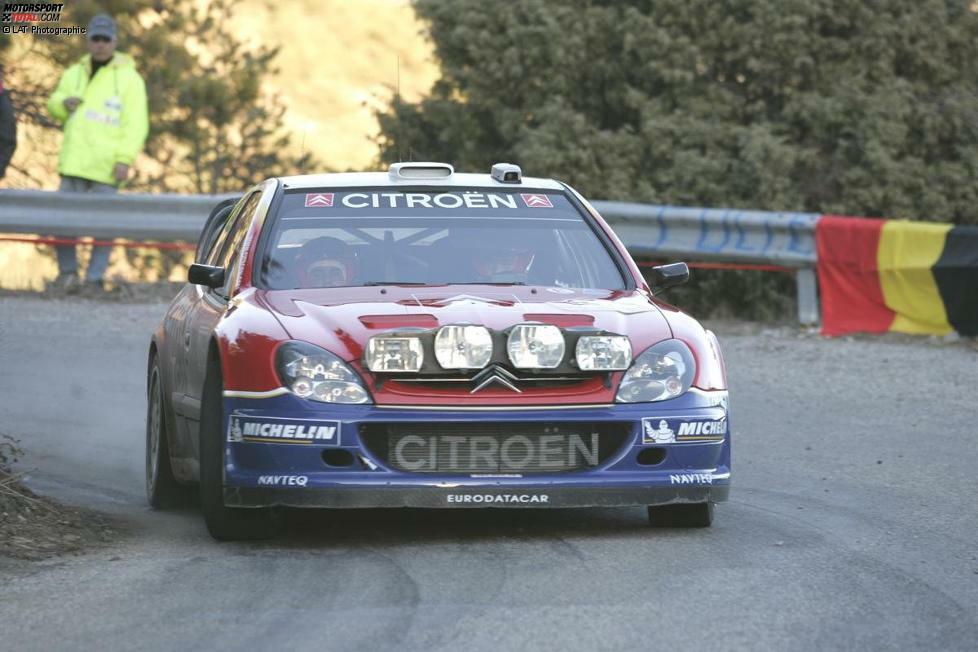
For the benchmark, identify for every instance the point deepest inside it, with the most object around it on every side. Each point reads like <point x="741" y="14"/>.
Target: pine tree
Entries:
<point x="834" y="106"/>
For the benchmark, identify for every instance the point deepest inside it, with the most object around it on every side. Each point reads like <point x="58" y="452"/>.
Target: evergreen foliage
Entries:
<point x="828" y="106"/>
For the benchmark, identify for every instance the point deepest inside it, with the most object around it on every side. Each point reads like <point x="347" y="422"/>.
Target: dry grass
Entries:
<point x="33" y="527"/>
<point x="338" y="64"/>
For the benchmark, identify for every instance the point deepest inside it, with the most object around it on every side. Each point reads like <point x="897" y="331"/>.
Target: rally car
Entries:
<point x="422" y="338"/>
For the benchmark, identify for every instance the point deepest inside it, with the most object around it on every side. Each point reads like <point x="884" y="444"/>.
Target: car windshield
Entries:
<point x="349" y="238"/>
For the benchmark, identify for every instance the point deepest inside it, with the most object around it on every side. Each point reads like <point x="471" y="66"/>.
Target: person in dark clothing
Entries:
<point x="8" y="128"/>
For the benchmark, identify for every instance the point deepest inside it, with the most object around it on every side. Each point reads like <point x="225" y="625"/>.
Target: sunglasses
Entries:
<point x="100" y="39"/>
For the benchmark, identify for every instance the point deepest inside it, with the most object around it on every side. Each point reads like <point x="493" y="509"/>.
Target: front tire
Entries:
<point x="681" y="515"/>
<point x="224" y="523"/>
<point x="162" y="488"/>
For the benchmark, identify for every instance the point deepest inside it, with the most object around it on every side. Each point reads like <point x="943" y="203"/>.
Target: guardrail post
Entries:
<point x="807" y="296"/>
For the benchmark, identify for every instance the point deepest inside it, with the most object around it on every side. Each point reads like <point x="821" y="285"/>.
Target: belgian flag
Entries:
<point x="894" y="275"/>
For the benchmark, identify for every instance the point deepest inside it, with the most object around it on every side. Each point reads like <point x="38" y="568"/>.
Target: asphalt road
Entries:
<point x="852" y="522"/>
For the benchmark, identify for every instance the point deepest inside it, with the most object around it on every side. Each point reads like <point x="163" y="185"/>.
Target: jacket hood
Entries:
<point x="119" y="60"/>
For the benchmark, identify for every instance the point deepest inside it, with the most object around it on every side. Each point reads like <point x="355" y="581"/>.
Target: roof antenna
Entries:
<point x="397" y="109"/>
<point x="302" y="148"/>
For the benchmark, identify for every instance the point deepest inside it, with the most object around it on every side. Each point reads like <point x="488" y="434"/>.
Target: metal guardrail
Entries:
<point x="133" y="216"/>
<point x="724" y="235"/>
<point x="663" y="232"/>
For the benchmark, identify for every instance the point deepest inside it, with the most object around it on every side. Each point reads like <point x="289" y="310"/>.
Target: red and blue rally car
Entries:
<point x="423" y="338"/>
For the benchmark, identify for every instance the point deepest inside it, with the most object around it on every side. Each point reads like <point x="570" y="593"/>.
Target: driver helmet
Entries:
<point x="501" y="265"/>
<point x="326" y="262"/>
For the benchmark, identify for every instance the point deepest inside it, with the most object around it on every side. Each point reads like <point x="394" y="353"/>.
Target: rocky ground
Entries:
<point x="33" y="527"/>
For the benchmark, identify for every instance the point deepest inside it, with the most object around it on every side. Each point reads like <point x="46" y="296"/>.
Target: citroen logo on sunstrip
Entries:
<point x="495" y="374"/>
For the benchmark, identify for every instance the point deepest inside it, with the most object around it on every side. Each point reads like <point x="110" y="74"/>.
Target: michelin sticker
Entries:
<point x="668" y="430"/>
<point x="274" y="430"/>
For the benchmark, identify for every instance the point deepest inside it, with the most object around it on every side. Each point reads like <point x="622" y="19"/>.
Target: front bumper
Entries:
<point x="463" y="497"/>
<point x="267" y="470"/>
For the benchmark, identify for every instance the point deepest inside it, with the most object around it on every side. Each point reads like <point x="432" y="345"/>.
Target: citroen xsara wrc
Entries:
<point x="421" y="338"/>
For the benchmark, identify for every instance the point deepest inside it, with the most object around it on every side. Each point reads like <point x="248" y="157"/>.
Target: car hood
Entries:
<point x="341" y="320"/>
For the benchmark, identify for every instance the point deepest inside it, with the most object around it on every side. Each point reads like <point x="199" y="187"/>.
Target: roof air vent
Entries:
<point x="420" y="171"/>
<point x="507" y="173"/>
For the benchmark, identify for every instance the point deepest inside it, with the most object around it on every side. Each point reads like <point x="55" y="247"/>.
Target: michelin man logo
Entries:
<point x="235" y="434"/>
<point x="661" y="435"/>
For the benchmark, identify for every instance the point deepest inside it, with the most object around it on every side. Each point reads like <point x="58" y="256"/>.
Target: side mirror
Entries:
<point x="212" y="277"/>
<point x="668" y="276"/>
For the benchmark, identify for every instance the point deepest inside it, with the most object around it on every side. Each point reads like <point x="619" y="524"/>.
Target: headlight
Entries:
<point x="603" y="353"/>
<point x="663" y="371"/>
<point x="315" y="373"/>
<point x="394" y="354"/>
<point x="535" y="346"/>
<point x="463" y="347"/>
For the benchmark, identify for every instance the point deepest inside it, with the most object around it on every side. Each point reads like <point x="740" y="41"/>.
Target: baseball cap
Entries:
<point x="101" y="25"/>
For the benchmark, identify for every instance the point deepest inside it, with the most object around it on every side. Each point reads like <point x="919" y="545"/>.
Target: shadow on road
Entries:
<point x="323" y="529"/>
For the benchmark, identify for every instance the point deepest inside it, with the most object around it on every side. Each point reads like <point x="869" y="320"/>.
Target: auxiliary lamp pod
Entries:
<point x="663" y="371"/>
<point x="528" y="346"/>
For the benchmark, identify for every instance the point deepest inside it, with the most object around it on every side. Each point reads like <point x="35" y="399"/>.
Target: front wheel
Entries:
<point x="224" y="523"/>
<point x="681" y="515"/>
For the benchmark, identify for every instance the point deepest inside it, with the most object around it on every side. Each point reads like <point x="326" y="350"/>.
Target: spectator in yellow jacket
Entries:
<point x="101" y="100"/>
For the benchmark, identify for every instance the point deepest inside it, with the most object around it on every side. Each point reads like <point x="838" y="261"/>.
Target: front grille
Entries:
<point x="468" y="448"/>
<point x="466" y="385"/>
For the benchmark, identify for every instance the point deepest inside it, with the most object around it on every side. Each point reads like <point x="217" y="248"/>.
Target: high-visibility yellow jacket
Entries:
<point x="111" y="123"/>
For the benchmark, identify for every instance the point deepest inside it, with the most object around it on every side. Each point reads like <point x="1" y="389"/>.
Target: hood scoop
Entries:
<point x="376" y="322"/>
